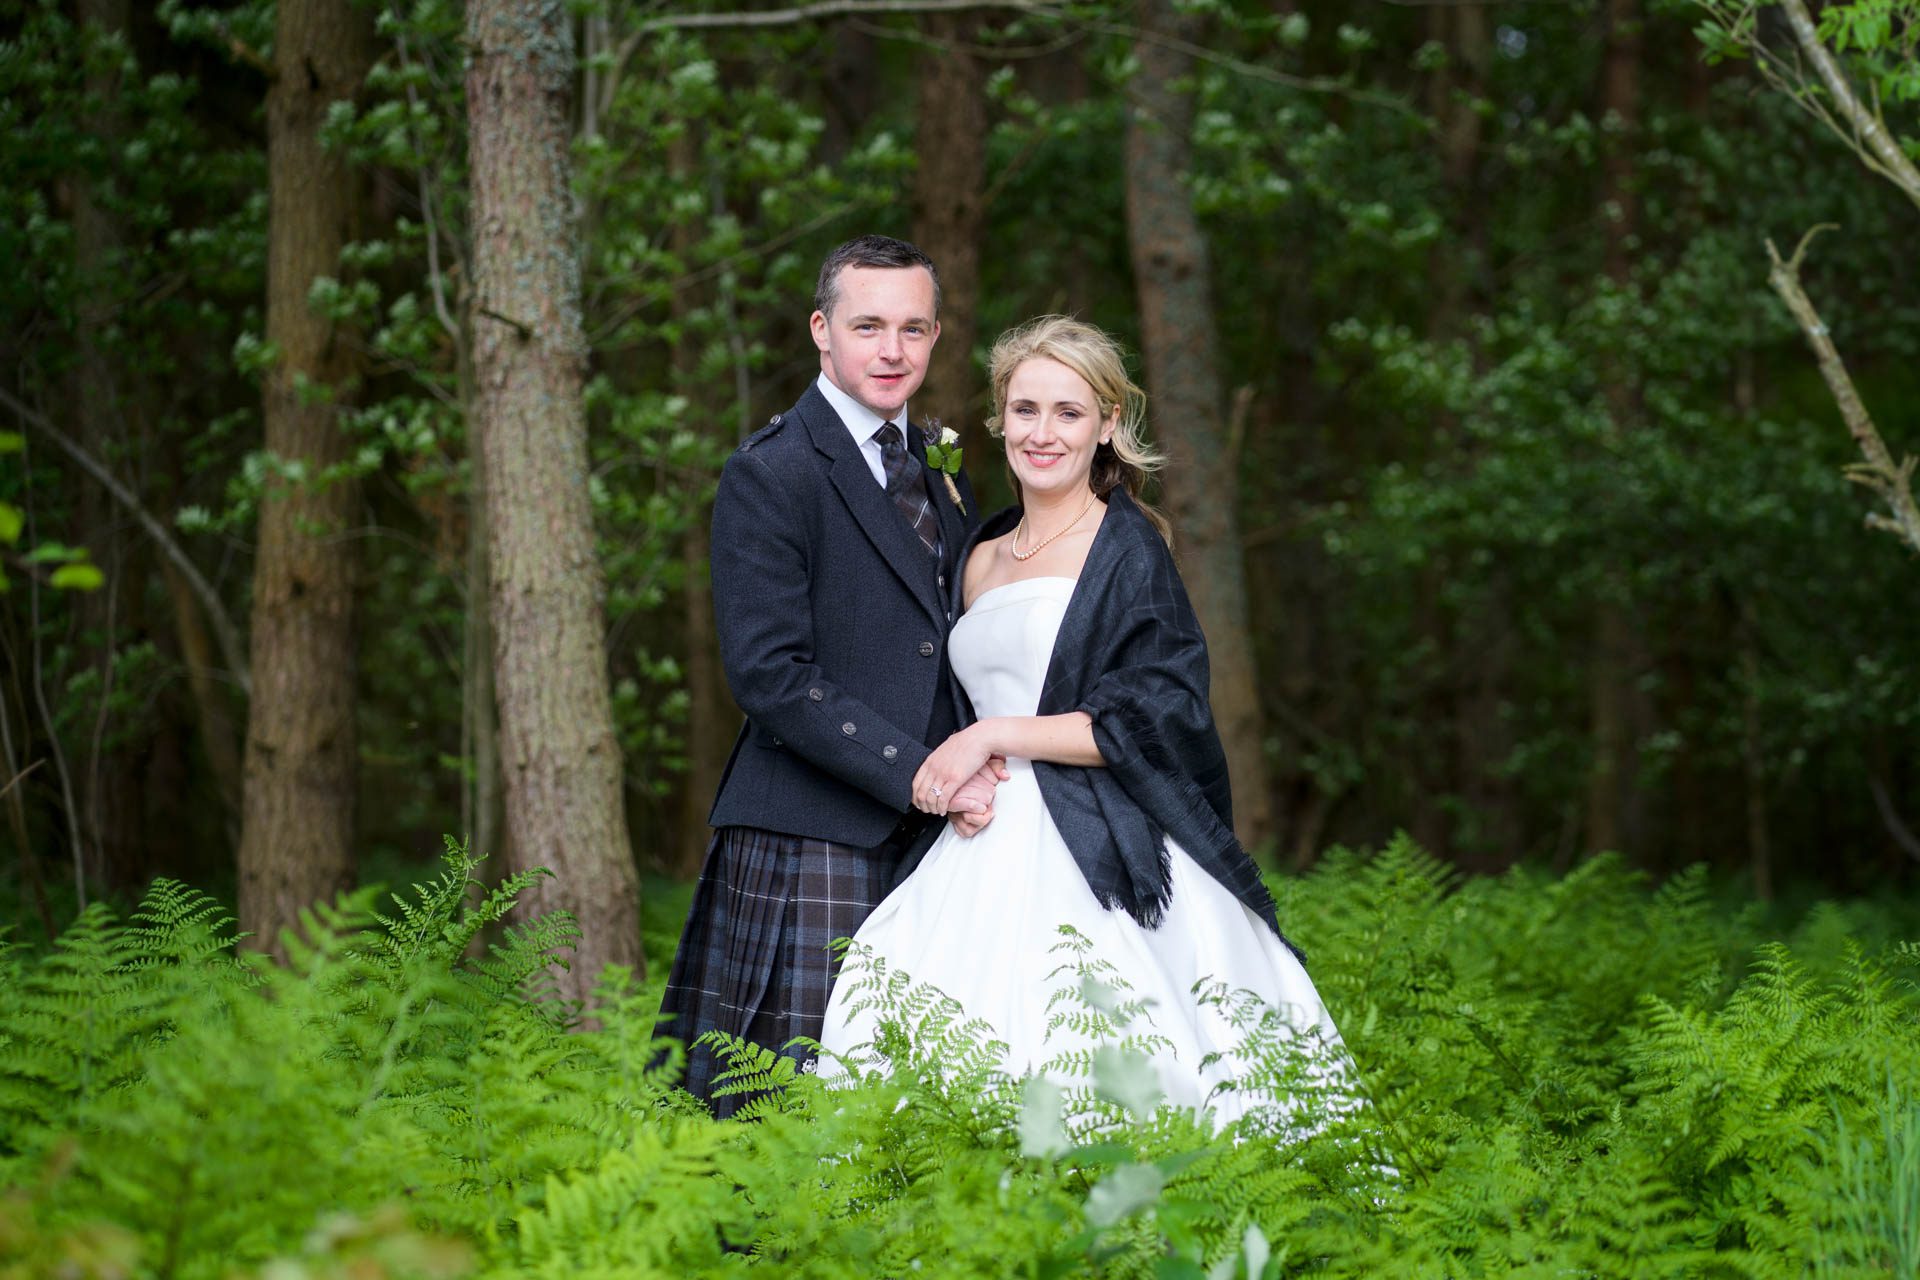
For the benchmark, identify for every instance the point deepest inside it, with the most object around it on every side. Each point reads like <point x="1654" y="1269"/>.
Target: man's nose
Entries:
<point x="890" y="345"/>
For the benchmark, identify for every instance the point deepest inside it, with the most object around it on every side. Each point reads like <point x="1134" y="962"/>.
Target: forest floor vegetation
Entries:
<point x="1577" y="1076"/>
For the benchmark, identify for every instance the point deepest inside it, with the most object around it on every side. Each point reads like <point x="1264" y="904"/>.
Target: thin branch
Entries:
<point x="1877" y="146"/>
<point x="1254" y="71"/>
<point x="1890" y="818"/>
<point x="822" y="9"/>
<point x="1893" y="482"/>
<point x="1001" y="52"/>
<point x="223" y="629"/>
<point x="524" y="330"/>
<point x="435" y="277"/>
<point x="712" y="270"/>
<point x="743" y="18"/>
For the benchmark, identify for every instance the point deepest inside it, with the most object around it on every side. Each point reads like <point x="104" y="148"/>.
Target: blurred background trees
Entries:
<point x="1513" y="495"/>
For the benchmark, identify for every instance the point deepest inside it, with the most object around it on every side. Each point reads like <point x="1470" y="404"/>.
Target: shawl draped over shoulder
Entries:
<point x="1130" y="654"/>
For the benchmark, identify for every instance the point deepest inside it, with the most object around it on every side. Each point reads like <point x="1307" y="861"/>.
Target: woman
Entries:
<point x="1088" y="671"/>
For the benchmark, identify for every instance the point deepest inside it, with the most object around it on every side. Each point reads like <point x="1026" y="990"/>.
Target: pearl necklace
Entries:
<point x="1033" y="551"/>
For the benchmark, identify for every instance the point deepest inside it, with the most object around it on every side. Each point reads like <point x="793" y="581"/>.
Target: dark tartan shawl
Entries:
<point x="1130" y="654"/>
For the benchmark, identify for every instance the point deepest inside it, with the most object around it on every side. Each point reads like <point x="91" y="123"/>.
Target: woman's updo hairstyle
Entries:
<point x="1127" y="460"/>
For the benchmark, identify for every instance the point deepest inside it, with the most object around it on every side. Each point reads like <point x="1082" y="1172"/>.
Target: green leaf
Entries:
<point x="12" y="521"/>
<point x="12" y="442"/>
<point x="1043" y="1131"/>
<point x="1124" y="1192"/>
<point x="1128" y="1078"/>
<point x="78" y="577"/>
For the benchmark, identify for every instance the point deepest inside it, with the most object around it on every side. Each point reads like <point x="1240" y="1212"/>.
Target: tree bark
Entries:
<point x="1172" y="274"/>
<point x="116" y="853"/>
<point x="712" y="718"/>
<point x="1609" y="691"/>
<point x="560" y="762"/>
<point x="297" y="808"/>
<point x="949" y="218"/>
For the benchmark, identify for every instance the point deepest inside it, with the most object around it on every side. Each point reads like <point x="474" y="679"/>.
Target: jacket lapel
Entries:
<point x="953" y="526"/>
<point x="868" y="503"/>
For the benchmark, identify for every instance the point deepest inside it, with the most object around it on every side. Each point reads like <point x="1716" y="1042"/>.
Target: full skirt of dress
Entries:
<point x="985" y="920"/>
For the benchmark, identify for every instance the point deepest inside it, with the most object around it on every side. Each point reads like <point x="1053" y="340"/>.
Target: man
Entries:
<point x="834" y="542"/>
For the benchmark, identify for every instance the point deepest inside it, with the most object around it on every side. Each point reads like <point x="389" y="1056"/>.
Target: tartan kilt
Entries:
<point x="755" y="958"/>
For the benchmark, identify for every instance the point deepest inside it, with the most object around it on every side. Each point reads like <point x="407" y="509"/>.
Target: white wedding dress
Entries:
<point x="980" y="919"/>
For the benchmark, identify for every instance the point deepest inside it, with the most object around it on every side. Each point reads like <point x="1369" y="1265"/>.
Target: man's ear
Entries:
<point x="819" y="325"/>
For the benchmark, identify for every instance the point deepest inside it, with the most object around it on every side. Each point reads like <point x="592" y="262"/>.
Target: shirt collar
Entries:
<point x="861" y="421"/>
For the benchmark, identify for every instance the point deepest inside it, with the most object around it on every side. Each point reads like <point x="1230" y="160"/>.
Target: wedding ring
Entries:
<point x="935" y="789"/>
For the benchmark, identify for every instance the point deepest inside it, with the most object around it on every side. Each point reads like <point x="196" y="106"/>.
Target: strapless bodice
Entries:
<point x="1001" y="646"/>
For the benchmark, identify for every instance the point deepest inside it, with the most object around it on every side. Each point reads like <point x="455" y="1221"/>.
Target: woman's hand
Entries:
<point x="952" y="764"/>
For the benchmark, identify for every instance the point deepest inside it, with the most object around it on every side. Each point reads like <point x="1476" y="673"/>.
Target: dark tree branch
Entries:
<point x="224" y="631"/>
<point x="1890" y="818"/>
<point x="1892" y="481"/>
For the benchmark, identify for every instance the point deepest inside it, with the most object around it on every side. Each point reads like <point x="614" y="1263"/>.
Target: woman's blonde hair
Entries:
<point x="1127" y="460"/>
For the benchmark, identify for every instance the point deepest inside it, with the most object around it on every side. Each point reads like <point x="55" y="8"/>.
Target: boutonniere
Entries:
<point x="943" y="455"/>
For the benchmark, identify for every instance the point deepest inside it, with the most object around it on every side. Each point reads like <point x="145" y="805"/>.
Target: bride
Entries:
<point x="1087" y="669"/>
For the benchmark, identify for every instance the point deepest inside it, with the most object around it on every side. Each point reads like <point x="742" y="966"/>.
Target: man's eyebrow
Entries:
<point x="922" y="321"/>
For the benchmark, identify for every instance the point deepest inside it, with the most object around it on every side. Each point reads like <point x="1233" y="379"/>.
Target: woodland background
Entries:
<point x="369" y="368"/>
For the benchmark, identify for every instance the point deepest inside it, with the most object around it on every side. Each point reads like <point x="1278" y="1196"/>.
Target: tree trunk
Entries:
<point x="712" y="718"/>
<point x="112" y="822"/>
<point x="560" y="762"/>
<point x="1609" y="689"/>
<point x="949" y="218"/>
<point x="1172" y="275"/>
<point x="297" y="808"/>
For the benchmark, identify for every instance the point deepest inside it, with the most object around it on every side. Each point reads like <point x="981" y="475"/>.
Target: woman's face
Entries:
<point x="1052" y="424"/>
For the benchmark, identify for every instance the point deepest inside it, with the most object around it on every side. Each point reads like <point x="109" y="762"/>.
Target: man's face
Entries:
<point x="876" y="344"/>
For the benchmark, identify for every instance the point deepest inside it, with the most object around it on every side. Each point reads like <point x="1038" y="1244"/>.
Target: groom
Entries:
<point x="833" y="545"/>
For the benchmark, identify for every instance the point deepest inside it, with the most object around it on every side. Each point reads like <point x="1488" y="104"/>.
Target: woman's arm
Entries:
<point x="1061" y="739"/>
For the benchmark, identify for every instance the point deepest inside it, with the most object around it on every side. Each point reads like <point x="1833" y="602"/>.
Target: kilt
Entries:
<point x="755" y="959"/>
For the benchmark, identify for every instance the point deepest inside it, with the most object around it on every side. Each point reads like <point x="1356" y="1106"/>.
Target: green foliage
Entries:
<point x="1572" y="1076"/>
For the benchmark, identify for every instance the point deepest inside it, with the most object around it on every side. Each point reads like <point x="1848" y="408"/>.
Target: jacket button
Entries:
<point x="815" y="694"/>
<point x="889" y="751"/>
<point x="943" y="580"/>
<point x="848" y="729"/>
<point x="778" y="743"/>
<point x="926" y="648"/>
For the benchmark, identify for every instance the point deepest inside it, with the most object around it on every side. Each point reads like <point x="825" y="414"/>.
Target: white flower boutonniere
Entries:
<point x="943" y="455"/>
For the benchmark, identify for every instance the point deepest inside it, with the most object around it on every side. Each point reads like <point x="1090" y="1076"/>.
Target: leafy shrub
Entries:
<point x="1562" y="1077"/>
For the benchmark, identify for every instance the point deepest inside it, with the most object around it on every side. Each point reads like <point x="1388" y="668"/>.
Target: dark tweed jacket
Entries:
<point x="1130" y="654"/>
<point x="833" y="624"/>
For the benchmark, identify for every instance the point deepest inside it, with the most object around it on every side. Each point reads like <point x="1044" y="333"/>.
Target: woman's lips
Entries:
<point x="1043" y="460"/>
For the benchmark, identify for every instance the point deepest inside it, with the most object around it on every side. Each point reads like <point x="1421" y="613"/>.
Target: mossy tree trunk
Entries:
<point x="949" y="219"/>
<point x="560" y="762"/>
<point x="1172" y="275"/>
<point x="297" y="806"/>
<point x="1610" y="690"/>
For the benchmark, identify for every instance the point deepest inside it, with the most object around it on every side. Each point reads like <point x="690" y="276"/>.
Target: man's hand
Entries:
<point x="972" y="807"/>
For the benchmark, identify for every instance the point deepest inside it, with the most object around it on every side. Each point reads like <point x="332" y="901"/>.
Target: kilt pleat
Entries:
<point x="756" y="959"/>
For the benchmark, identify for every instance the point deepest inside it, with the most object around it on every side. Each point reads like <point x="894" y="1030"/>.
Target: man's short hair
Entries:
<point x="869" y="251"/>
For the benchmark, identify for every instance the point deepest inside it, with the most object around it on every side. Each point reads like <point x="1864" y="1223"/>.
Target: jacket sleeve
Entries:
<point x="765" y="619"/>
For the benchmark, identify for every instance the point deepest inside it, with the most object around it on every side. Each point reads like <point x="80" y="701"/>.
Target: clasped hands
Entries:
<point x="958" y="780"/>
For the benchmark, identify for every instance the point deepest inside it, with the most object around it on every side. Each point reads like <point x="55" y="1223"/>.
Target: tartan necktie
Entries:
<point x="907" y="489"/>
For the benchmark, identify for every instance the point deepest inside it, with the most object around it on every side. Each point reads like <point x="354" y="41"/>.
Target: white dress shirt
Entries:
<point x="863" y="424"/>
